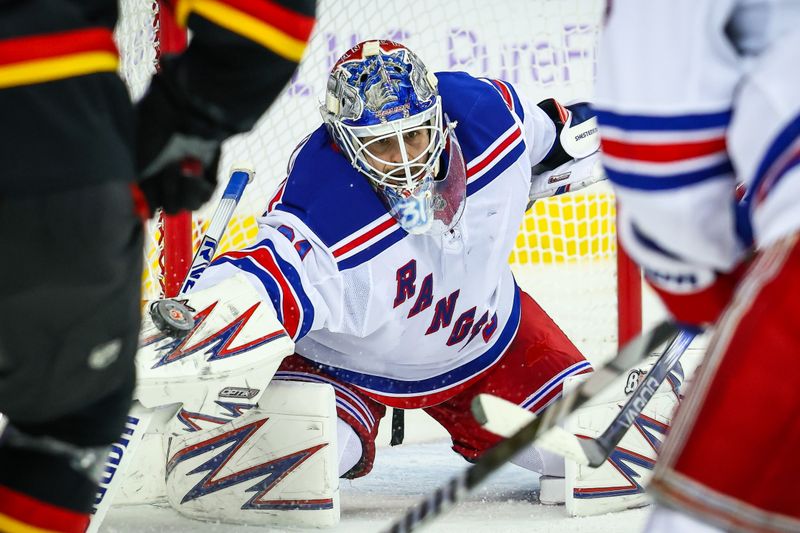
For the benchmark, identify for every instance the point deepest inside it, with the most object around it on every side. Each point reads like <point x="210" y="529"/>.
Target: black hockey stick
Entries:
<point x="455" y="490"/>
<point x="597" y="450"/>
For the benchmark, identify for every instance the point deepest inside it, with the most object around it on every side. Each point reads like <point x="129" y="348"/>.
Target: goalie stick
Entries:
<point x="504" y="418"/>
<point x="239" y="178"/>
<point x="139" y="418"/>
<point x="454" y="491"/>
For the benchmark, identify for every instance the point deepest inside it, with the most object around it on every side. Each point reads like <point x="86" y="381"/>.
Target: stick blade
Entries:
<point x="499" y="416"/>
<point x="505" y="418"/>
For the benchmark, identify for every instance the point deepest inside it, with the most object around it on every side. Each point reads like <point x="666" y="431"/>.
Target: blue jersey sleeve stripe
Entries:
<point x="647" y="182"/>
<point x="247" y="264"/>
<point x="774" y="164"/>
<point x="293" y="277"/>
<point x="372" y="250"/>
<point x="657" y="123"/>
<point x="273" y="288"/>
<point x="518" y="109"/>
<point x="496" y="170"/>
<point x="509" y="95"/>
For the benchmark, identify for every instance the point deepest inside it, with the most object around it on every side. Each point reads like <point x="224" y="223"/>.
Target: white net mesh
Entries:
<point x="565" y="251"/>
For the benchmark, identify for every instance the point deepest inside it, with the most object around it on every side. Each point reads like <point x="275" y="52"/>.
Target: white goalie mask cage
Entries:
<point x="380" y="92"/>
<point x="436" y="204"/>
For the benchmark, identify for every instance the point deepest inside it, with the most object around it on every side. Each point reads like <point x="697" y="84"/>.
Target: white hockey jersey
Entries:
<point x="711" y="102"/>
<point x="404" y="317"/>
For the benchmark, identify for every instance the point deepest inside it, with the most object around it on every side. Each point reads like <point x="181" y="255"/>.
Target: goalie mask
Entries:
<point x="383" y="111"/>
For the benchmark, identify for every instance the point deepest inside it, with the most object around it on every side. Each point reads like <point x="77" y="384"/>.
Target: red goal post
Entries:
<point x="566" y="254"/>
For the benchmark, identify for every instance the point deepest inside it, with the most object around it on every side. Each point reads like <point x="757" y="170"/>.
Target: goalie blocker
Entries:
<point x="219" y="447"/>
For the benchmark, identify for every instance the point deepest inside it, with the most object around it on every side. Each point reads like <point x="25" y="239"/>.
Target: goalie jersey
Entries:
<point x="404" y="317"/>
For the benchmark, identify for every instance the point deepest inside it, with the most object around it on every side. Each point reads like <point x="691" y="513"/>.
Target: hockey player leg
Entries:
<point x="358" y="416"/>
<point x="530" y="375"/>
<point x="754" y="342"/>
<point x="68" y="327"/>
<point x="49" y="472"/>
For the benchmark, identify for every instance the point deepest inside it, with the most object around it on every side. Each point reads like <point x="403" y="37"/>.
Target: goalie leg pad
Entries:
<point x="353" y="407"/>
<point x="274" y="465"/>
<point x="620" y="482"/>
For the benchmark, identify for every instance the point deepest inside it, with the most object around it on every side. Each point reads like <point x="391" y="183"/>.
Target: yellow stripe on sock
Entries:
<point x="10" y="525"/>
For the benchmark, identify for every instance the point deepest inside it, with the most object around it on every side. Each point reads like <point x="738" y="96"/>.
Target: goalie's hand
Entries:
<point x="178" y="146"/>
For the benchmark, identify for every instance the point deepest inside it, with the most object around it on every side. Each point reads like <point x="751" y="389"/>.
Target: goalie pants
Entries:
<point x="530" y="373"/>
<point x="69" y="322"/>
<point x="731" y="457"/>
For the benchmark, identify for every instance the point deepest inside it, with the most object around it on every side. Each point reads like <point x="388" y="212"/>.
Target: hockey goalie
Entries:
<point x="383" y="257"/>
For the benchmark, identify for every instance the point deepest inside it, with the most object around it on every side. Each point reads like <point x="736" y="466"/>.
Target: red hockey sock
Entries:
<point x="24" y="514"/>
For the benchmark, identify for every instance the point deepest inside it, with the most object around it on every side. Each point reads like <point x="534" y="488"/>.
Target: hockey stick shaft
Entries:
<point x="597" y="450"/>
<point x="239" y="178"/>
<point x="455" y="490"/>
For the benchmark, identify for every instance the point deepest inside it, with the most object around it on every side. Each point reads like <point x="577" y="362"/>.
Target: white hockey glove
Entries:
<point x="570" y="176"/>
<point x="574" y="160"/>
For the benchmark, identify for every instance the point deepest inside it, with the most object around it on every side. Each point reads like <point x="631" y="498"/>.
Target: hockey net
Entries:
<point x="566" y="251"/>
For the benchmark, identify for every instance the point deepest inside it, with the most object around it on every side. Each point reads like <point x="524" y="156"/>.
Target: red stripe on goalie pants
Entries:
<point x="290" y="307"/>
<point x="290" y="22"/>
<point x="31" y="513"/>
<point x="46" y="46"/>
<point x="663" y="153"/>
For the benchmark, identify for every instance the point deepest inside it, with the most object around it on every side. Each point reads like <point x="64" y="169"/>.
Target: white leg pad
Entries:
<point x="274" y="465"/>
<point x="620" y="482"/>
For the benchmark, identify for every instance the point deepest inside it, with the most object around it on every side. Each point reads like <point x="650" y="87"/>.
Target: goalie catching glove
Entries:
<point x="178" y="144"/>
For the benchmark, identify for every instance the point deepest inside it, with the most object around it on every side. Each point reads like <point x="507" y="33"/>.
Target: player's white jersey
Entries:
<point x="401" y="316"/>
<point x="700" y="112"/>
